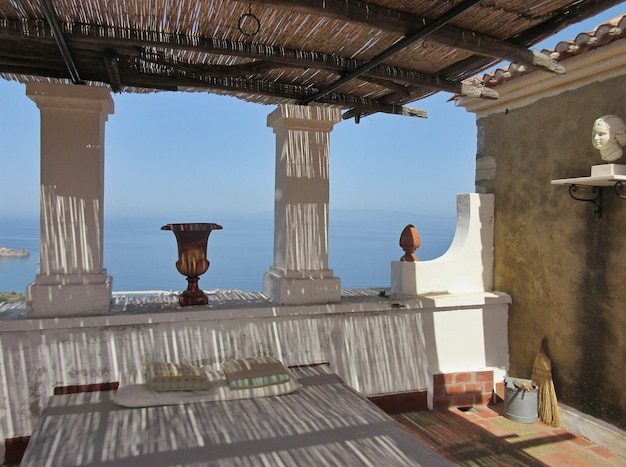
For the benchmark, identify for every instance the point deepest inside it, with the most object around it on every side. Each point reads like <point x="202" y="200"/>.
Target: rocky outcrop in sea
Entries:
<point x="4" y="251"/>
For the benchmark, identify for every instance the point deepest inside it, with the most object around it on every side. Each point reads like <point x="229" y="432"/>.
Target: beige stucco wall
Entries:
<point x="564" y="267"/>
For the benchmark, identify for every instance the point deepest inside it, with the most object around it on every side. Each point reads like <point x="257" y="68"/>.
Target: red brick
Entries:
<point x="417" y="400"/>
<point x="463" y="400"/>
<point x="401" y="402"/>
<point x="15" y="448"/>
<point x="485" y="375"/>
<point x="475" y="387"/>
<point x="442" y="378"/>
<point x="484" y="435"/>
<point x="464" y="377"/>
<point x="486" y="412"/>
<point x="439" y="391"/>
<point x="385" y="402"/>
<point x="605" y="453"/>
<point x="96" y="387"/>
<point x="441" y="404"/>
<point x="484" y="399"/>
<point x="454" y="389"/>
<point x="582" y="441"/>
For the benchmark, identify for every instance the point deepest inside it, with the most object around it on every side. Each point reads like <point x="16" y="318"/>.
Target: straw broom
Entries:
<point x="547" y="404"/>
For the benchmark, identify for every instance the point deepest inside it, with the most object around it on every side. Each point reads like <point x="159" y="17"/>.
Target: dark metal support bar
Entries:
<point x="596" y="200"/>
<point x="53" y="20"/>
<point x="397" y="47"/>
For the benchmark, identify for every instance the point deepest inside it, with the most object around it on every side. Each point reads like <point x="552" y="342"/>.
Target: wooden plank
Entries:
<point x="285" y="91"/>
<point x="406" y="41"/>
<point x="110" y="63"/>
<point x="403" y="23"/>
<point x="94" y="37"/>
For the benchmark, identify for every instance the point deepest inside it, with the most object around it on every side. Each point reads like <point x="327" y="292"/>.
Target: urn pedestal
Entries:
<point x="192" y="261"/>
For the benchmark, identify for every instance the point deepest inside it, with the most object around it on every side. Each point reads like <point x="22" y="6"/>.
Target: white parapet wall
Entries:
<point x="466" y="267"/>
<point x="376" y="344"/>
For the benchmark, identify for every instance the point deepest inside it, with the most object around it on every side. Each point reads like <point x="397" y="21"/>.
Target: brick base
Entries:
<point x="462" y="389"/>
<point x="97" y="387"/>
<point x="14" y="449"/>
<point x="401" y="402"/>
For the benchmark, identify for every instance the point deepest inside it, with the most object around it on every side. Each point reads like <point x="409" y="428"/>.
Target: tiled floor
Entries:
<point x="483" y="437"/>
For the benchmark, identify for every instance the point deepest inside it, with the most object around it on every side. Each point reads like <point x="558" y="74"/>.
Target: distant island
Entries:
<point x="4" y="251"/>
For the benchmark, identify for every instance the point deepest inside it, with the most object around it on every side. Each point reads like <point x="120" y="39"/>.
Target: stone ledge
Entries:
<point x="231" y="305"/>
<point x="595" y="430"/>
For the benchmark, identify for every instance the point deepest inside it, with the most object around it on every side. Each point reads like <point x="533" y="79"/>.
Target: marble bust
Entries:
<point x="608" y="135"/>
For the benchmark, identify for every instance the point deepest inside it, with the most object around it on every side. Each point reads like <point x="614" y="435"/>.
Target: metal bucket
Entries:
<point x="520" y="405"/>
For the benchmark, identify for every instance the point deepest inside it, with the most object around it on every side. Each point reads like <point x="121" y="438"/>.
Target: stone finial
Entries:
<point x="607" y="135"/>
<point x="409" y="242"/>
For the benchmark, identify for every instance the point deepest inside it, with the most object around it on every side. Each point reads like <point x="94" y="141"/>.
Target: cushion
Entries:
<point x="254" y="372"/>
<point x="138" y="395"/>
<point x="166" y="376"/>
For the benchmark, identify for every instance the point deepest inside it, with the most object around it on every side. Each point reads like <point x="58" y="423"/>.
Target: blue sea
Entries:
<point x="141" y="257"/>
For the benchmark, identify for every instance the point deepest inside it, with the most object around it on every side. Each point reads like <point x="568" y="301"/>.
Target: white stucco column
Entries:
<point x="71" y="279"/>
<point x="300" y="273"/>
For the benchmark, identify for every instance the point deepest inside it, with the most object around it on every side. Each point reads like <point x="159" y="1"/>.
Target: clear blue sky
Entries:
<point x="192" y="156"/>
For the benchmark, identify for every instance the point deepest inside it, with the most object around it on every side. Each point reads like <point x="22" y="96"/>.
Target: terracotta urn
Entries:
<point x="192" y="261"/>
<point x="409" y="242"/>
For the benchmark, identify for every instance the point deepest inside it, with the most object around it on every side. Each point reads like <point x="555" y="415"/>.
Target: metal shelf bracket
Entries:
<point x="596" y="198"/>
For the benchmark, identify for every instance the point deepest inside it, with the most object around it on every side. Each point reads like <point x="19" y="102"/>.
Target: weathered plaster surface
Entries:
<point x="564" y="267"/>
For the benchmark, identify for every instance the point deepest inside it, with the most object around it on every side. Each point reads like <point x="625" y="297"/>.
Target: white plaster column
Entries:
<point x="71" y="279"/>
<point x="300" y="273"/>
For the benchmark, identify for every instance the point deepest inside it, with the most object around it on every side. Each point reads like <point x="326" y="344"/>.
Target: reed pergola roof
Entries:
<point x="365" y="57"/>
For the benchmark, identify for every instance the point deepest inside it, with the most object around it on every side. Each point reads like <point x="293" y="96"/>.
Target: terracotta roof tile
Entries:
<point x="603" y="34"/>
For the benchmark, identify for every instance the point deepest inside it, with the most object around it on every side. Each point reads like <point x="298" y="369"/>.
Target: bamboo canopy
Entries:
<point x="364" y="57"/>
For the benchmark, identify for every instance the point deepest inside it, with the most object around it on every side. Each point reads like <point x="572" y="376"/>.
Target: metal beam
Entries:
<point x="53" y="20"/>
<point x="397" y="47"/>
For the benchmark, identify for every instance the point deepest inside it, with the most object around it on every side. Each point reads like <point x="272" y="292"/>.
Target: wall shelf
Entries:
<point x="596" y="184"/>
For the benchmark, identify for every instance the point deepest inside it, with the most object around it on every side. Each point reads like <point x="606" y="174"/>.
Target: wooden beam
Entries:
<point x="224" y="71"/>
<point x="469" y="88"/>
<point x="278" y="55"/>
<point x="110" y="63"/>
<point x="358" y="112"/>
<point x="89" y="40"/>
<point x="287" y="91"/>
<point x="397" y="89"/>
<point x="122" y="39"/>
<point x="402" y="23"/>
<point x="172" y="77"/>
